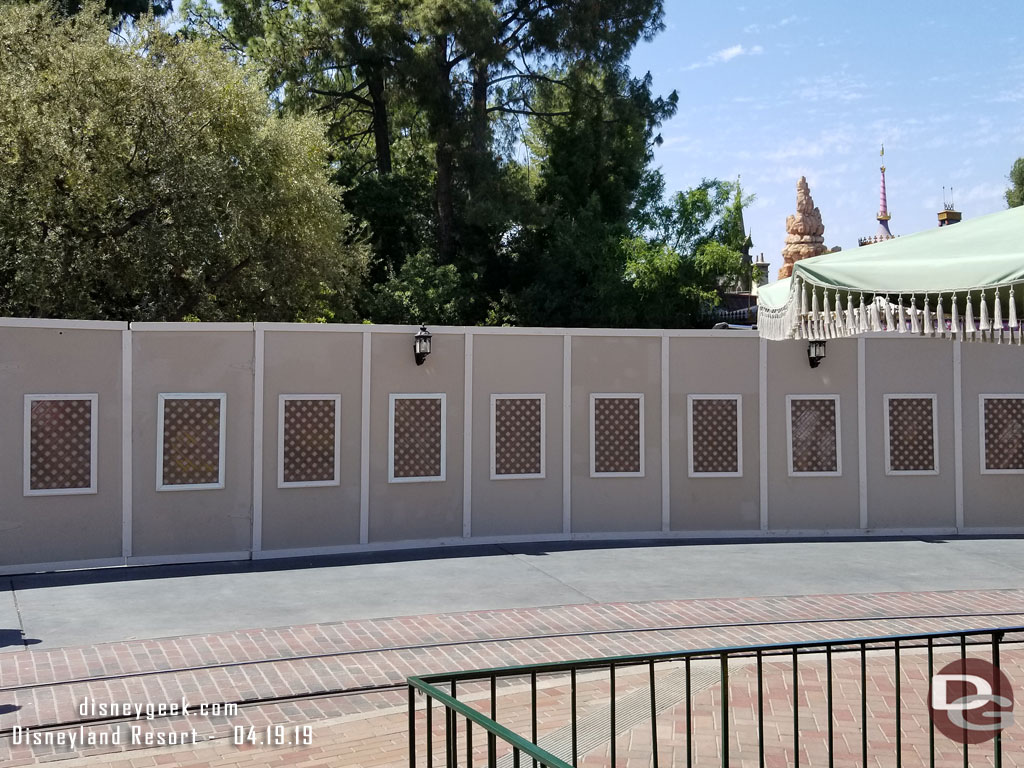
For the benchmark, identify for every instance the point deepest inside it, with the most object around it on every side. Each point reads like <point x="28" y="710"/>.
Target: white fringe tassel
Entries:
<point x="969" y="326"/>
<point x="1013" y="317"/>
<point x="997" y="324"/>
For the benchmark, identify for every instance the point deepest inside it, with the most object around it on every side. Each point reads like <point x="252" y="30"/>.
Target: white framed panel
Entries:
<point x="427" y="434"/>
<point x="539" y="437"/>
<point x="889" y="402"/>
<point x="50" y="422"/>
<point x="163" y="483"/>
<point x="612" y="413"/>
<point x="1005" y="455"/>
<point x="322" y="424"/>
<point x="795" y="407"/>
<point x="721" y="449"/>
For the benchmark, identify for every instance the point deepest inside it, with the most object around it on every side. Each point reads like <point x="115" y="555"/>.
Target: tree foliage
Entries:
<point x="1015" y="193"/>
<point x="507" y="140"/>
<point x="119" y="9"/>
<point x="495" y="155"/>
<point x="150" y="180"/>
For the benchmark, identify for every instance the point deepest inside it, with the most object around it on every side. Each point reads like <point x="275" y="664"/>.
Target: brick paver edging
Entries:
<point x="387" y="650"/>
<point x="41" y="666"/>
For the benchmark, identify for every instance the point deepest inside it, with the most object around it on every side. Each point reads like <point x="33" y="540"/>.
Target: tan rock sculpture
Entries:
<point x="804" y="231"/>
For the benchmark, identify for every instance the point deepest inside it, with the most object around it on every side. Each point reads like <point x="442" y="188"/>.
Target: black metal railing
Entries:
<point x="450" y="725"/>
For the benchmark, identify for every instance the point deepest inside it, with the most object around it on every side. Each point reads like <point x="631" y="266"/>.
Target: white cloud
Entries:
<point x="724" y="55"/>
<point x="752" y="29"/>
<point x="1009" y="97"/>
<point x="727" y="54"/>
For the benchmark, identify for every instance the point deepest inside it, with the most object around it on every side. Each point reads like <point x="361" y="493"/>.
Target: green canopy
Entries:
<point x="939" y="281"/>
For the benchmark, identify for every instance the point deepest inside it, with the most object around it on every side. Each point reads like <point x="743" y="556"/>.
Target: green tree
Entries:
<point x="120" y="9"/>
<point x="428" y="101"/>
<point x="692" y="253"/>
<point x="1015" y="193"/>
<point x="591" y="144"/>
<point x="150" y="180"/>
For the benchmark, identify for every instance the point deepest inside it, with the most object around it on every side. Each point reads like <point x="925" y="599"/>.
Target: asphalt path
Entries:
<point x="96" y="606"/>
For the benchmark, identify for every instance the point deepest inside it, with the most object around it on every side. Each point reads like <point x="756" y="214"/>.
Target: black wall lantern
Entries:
<point x="421" y="344"/>
<point x="815" y="353"/>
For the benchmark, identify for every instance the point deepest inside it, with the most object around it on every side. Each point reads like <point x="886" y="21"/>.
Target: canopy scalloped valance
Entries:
<point x="964" y="280"/>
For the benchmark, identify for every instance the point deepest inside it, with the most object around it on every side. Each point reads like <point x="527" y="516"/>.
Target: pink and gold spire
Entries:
<point x="882" y="233"/>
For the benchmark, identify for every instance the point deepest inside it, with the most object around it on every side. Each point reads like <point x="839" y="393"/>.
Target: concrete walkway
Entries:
<point x="88" y="607"/>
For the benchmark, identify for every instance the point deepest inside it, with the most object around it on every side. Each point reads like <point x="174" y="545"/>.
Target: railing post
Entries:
<point x="533" y="711"/>
<point x="412" y="727"/>
<point x="654" y="720"/>
<point x="796" y="711"/>
<point x="572" y="680"/>
<point x="998" y="746"/>
<point x="963" y="657"/>
<point x="864" y="703"/>
<point x="611" y="678"/>
<point x="449" y="737"/>
<point x="831" y="716"/>
<point x="760" y="709"/>
<point x="492" y="742"/>
<point x="430" y="732"/>
<point x="724" y="684"/>
<point x="454" y="733"/>
<point x="931" y="720"/>
<point x="899" y="710"/>
<point x="689" y="718"/>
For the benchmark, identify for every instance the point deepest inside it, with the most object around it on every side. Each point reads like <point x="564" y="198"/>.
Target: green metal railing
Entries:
<point x="440" y="693"/>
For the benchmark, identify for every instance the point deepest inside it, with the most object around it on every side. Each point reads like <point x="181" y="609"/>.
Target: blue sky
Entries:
<point x="775" y="90"/>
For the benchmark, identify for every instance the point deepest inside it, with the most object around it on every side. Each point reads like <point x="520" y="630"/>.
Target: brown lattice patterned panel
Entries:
<point x="813" y="424"/>
<point x="517" y="436"/>
<point x="417" y="441"/>
<point x="617" y="435"/>
<point x="191" y="444"/>
<point x="714" y="435"/>
<point x="309" y="441"/>
<point x="1004" y="433"/>
<point x="911" y="434"/>
<point x="60" y="445"/>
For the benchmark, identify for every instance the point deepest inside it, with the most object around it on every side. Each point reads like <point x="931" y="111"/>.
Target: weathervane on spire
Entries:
<point x="882" y="154"/>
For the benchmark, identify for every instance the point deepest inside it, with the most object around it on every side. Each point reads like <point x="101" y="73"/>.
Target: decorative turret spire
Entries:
<point x="882" y="233"/>
<point x="883" y="208"/>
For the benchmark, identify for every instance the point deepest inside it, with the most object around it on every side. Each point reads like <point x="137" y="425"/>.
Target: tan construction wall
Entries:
<point x="319" y="362"/>
<point x="812" y="503"/>
<point x="505" y="364"/>
<point x="909" y="501"/>
<point x="990" y="501"/>
<point x="253" y="365"/>
<point x="180" y="360"/>
<point x="714" y="366"/>
<point x="60" y="358"/>
<point x="620" y="364"/>
<point x="416" y="510"/>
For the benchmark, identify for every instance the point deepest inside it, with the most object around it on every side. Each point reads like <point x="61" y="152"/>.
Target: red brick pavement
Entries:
<point x="381" y="652"/>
